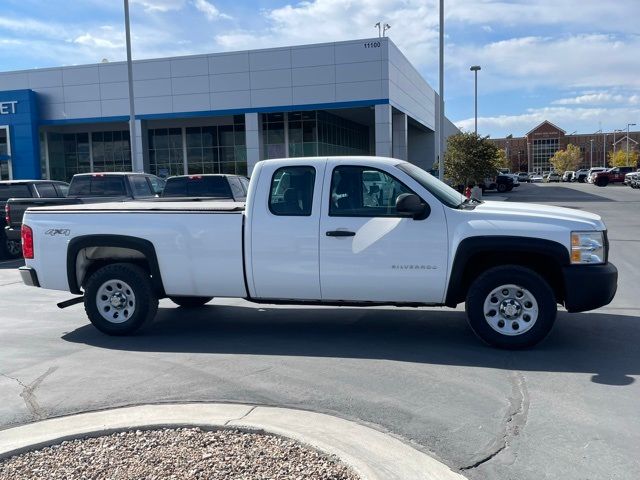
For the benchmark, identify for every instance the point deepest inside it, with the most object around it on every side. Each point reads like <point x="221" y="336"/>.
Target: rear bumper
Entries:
<point x="588" y="287"/>
<point x="29" y="276"/>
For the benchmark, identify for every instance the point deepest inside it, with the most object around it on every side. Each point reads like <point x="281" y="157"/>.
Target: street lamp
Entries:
<point x="591" y="152"/>
<point x="441" y="92"/>
<point x="614" y="138"/>
<point x="132" y="112"/>
<point x="628" y="125"/>
<point x="475" y="69"/>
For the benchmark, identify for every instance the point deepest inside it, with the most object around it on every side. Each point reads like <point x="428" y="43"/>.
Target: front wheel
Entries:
<point x="119" y="299"/>
<point x="511" y="307"/>
<point x="190" y="302"/>
<point x="502" y="188"/>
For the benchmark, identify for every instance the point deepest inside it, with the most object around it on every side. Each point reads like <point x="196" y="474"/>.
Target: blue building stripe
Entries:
<point x="218" y="113"/>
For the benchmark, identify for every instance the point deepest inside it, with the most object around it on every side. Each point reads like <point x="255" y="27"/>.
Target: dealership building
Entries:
<point x="218" y="113"/>
<point x="532" y="152"/>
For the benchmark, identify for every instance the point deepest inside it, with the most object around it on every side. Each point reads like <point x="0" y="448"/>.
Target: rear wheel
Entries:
<point x="190" y="302"/>
<point x="602" y="182"/>
<point x="502" y="187"/>
<point x="119" y="299"/>
<point x="10" y="248"/>
<point x="511" y="307"/>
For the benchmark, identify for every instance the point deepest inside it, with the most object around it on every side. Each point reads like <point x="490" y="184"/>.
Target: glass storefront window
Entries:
<point x="111" y="151"/>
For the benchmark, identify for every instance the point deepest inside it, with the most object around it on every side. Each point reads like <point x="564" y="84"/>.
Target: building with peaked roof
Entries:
<point x="531" y="153"/>
<point x="218" y="112"/>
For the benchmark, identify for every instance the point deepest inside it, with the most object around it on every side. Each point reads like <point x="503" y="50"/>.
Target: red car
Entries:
<point x="612" y="175"/>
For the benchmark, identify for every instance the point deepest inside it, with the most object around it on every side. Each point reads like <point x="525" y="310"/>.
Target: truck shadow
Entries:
<point x="559" y="193"/>
<point x="600" y="344"/>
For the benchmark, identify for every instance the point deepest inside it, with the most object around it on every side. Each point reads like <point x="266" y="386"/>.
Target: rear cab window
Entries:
<point x="8" y="190"/>
<point x="291" y="192"/>
<point x="46" y="190"/>
<point x="197" y="186"/>
<point x="98" y="186"/>
<point x="140" y="186"/>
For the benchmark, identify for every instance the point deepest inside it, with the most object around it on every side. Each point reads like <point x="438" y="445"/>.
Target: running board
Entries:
<point x="71" y="302"/>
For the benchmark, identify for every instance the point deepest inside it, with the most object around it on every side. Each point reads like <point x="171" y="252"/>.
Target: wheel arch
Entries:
<point x="477" y="254"/>
<point x="87" y="253"/>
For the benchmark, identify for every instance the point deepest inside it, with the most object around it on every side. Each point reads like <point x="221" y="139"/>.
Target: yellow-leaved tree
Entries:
<point x="620" y="159"/>
<point x="568" y="159"/>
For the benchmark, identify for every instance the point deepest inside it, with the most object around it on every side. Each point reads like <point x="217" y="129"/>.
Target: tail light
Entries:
<point x="7" y="214"/>
<point x="27" y="241"/>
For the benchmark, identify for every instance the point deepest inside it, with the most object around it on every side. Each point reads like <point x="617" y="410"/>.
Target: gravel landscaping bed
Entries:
<point x="183" y="453"/>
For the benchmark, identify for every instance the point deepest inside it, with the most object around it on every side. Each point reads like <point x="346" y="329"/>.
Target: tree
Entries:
<point x="503" y="161"/>
<point x="568" y="159"/>
<point x="470" y="157"/>
<point x="619" y="158"/>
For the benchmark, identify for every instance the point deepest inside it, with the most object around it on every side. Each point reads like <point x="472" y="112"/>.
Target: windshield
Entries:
<point x="438" y="189"/>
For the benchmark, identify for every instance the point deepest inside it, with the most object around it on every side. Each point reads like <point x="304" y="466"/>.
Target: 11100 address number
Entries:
<point x="372" y="45"/>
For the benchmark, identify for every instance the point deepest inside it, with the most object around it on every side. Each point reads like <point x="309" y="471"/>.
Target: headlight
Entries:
<point x="587" y="247"/>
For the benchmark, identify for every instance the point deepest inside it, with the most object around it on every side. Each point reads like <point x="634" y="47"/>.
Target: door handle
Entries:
<point x="340" y="233"/>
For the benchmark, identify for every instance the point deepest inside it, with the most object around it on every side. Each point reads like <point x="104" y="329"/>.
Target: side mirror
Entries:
<point x="411" y="205"/>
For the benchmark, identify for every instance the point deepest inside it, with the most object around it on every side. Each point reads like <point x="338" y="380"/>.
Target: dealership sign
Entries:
<point x="8" y="107"/>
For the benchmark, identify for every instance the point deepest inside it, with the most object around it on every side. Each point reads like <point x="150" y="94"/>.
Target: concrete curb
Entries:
<point x="370" y="453"/>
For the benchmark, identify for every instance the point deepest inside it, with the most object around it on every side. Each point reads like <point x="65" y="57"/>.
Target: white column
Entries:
<point x="400" y="135"/>
<point x="252" y="135"/>
<point x="383" y="133"/>
<point x="138" y="162"/>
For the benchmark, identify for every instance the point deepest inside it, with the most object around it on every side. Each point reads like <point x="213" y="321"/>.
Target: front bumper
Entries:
<point x="29" y="276"/>
<point x="588" y="287"/>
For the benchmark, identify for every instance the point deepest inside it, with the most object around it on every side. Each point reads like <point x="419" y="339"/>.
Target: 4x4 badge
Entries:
<point x="58" y="231"/>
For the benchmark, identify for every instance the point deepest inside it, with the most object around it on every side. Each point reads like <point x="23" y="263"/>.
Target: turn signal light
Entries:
<point x="27" y="241"/>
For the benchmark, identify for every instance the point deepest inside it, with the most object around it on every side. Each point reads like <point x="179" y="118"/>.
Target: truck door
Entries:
<point x="284" y="255"/>
<point x="370" y="253"/>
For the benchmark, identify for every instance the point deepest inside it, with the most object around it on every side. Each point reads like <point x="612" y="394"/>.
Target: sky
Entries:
<point x="575" y="63"/>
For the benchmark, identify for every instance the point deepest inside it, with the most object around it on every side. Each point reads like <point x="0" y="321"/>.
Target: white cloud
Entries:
<point x="599" y="98"/>
<point x="94" y="41"/>
<point x="581" y="119"/>
<point x="160" y="5"/>
<point x="210" y="11"/>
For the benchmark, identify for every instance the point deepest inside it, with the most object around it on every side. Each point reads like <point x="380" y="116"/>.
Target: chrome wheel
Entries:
<point x="116" y="301"/>
<point x="511" y="310"/>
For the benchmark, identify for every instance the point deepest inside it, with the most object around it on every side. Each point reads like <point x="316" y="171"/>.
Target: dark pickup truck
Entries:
<point x="612" y="175"/>
<point x="84" y="188"/>
<point x="209" y="186"/>
<point x="28" y="190"/>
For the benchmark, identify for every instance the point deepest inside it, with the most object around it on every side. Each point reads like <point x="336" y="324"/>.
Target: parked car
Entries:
<point x="611" y="175"/>
<point x="86" y="188"/>
<point x="26" y="189"/>
<point x="320" y="244"/>
<point x="581" y="175"/>
<point x="524" y="177"/>
<point x="592" y="172"/>
<point x="552" y="177"/>
<point x="634" y="181"/>
<point x="568" y="176"/>
<point x="536" y="178"/>
<point x="627" y="177"/>
<point x="209" y="186"/>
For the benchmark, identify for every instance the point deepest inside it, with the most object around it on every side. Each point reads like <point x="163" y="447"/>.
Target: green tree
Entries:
<point x="470" y="157"/>
<point x="503" y="161"/>
<point x="620" y="159"/>
<point x="568" y="159"/>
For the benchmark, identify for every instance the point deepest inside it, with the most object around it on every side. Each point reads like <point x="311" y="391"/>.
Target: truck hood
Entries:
<point x="541" y="213"/>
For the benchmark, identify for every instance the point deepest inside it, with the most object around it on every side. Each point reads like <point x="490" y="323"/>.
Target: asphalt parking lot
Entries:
<point x="567" y="409"/>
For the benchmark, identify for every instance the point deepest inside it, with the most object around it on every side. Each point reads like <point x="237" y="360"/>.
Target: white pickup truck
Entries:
<point x="316" y="231"/>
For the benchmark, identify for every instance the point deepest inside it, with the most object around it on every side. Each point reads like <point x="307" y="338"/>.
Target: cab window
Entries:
<point x="364" y="192"/>
<point x="291" y="191"/>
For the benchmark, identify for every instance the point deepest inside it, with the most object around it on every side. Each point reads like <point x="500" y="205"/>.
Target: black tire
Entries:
<point x="9" y="249"/>
<point x="190" y="302"/>
<point x="524" y="278"/>
<point x="146" y="299"/>
<point x="502" y="188"/>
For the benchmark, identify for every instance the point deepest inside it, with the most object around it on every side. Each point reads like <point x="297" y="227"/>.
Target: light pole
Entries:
<point x="591" y="152"/>
<point x="614" y="138"/>
<point x="475" y="69"/>
<point x="132" y="111"/>
<point x="628" y="125"/>
<point x="441" y="92"/>
<point x="528" y="157"/>
<point x="604" y="149"/>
